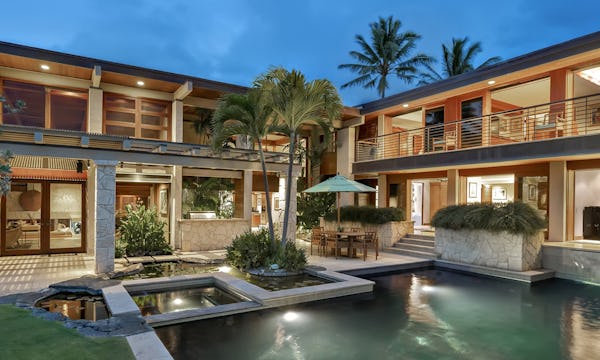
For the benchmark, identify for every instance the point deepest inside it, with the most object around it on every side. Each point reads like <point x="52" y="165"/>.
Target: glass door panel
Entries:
<point x="23" y="217"/>
<point x="65" y="215"/>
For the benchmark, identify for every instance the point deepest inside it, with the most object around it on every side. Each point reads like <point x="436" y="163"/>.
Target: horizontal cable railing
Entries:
<point x="573" y="117"/>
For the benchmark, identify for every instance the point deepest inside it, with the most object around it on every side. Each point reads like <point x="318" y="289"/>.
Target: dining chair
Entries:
<point x="370" y="240"/>
<point x="318" y="239"/>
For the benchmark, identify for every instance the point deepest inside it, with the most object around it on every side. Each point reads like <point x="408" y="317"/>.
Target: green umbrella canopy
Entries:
<point x="339" y="183"/>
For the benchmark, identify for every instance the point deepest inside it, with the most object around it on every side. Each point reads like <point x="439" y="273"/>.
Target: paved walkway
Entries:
<point x="20" y="274"/>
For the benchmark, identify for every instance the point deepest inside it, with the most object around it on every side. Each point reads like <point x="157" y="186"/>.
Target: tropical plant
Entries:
<point x="5" y="156"/>
<point x="296" y="102"/>
<point x="202" y="124"/>
<point x="246" y="115"/>
<point x="367" y="214"/>
<point x="512" y="217"/>
<point x="456" y="59"/>
<point x="253" y="250"/>
<point x="312" y="206"/>
<point x="208" y="194"/>
<point x="389" y="53"/>
<point x="142" y="233"/>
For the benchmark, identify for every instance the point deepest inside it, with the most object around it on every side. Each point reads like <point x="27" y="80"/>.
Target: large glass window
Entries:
<point x="434" y="120"/>
<point x="471" y="112"/>
<point x="135" y="117"/>
<point x="44" y="106"/>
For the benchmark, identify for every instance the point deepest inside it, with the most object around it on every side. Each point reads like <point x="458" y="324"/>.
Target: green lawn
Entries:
<point x="23" y="336"/>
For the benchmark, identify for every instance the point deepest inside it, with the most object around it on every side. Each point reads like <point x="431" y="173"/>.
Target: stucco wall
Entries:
<point x="388" y="233"/>
<point x="498" y="250"/>
<point x="210" y="234"/>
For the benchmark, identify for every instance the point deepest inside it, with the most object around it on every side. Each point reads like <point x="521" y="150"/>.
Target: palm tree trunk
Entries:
<point x="267" y="193"/>
<point x="288" y="189"/>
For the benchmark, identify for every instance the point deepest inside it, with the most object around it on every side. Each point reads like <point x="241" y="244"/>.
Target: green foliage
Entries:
<point x="253" y="250"/>
<point x="513" y="217"/>
<point x="367" y="214"/>
<point x="5" y="172"/>
<point x="208" y="194"/>
<point x="142" y="233"/>
<point x="311" y="206"/>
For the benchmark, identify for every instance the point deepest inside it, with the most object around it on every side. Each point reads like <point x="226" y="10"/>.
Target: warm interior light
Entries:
<point x="45" y="67"/>
<point x="592" y="75"/>
<point x="405" y="105"/>
<point x="491" y="82"/>
<point x="140" y="83"/>
<point x="290" y="316"/>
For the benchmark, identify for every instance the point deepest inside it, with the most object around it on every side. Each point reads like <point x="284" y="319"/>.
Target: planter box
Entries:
<point x="388" y="233"/>
<point x="497" y="250"/>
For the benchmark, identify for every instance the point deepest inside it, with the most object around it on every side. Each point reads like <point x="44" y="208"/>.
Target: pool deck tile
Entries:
<point x="147" y="346"/>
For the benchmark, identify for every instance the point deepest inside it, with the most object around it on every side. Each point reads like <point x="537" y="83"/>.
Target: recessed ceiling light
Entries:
<point x="405" y="105"/>
<point x="45" y="67"/>
<point x="140" y="83"/>
<point x="491" y="82"/>
<point x="592" y="75"/>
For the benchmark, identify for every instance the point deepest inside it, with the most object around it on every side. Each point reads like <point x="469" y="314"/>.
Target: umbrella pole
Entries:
<point x="338" y="208"/>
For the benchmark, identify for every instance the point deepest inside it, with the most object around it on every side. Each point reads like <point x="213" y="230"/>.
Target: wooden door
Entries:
<point x="438" y="196"/>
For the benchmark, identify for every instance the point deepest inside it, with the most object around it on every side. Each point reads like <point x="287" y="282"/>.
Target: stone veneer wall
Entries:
<point x="498" y="250"/>
<point x="209" y="234"/>
<point x="388" y="233"/>
<point x="572" y="263"/>
<point x="105" y="215"/>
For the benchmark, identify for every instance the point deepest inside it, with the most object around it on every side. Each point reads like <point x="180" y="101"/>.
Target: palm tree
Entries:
<point x="247" y="115"/>
<point x="296" y="102"/>
<point x="388" y="54"/>
<point x="457" y="59"/>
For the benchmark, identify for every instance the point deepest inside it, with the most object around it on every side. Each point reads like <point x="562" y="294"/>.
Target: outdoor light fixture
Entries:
<point x="45" y="67"/>
<point x="225" y="269"/>
<point x="178" y="301"/>
<point x="405" y="105"/>
<point x="491" y="82"/>
<point x="592" y="75"/>
<point x="140" y="83"/>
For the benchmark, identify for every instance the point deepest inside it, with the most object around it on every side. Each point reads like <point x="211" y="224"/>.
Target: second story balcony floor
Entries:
<point x="554" y="121"/>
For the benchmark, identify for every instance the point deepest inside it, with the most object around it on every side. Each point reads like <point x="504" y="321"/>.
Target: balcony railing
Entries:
<point x="573" y="117"/>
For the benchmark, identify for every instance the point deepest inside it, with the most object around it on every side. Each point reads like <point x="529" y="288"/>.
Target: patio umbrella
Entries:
<point x="339" y="184"/>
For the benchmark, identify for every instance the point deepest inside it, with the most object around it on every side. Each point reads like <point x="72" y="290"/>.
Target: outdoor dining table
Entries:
<point x="352" y="236"/>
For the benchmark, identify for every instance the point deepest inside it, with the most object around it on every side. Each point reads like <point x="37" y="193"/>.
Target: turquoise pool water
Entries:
<point x="428" y="314"/>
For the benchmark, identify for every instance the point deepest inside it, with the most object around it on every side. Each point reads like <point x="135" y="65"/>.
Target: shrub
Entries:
<point x="367" y="214"/>
<point x="253" y="250"/>
<point x="312" y="206"/>
<point x="513" y="217"/>
<point x="142" y="233"/>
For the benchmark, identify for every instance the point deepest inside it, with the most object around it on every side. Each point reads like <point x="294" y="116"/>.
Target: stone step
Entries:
<point x="420" y="236"/>
<point x="415" y="247"/>
<point x="414" y="253"/>
<point x="422" y="242"/>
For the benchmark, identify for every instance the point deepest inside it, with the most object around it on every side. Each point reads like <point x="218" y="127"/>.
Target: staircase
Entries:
<point x="415" y="245"/>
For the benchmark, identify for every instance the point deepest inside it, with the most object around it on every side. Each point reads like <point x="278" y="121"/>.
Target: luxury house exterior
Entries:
<point x="96" y="136"/>
<point x="525" y="129"/>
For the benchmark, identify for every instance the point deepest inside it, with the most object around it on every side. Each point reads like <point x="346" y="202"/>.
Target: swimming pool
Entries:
<point x="429" y="314"/>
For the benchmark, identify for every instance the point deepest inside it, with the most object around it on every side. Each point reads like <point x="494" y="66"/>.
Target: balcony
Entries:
<point x="556" y="120"/>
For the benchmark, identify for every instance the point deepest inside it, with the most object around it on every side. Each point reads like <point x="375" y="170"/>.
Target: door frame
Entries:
<point x="45" y="221"/>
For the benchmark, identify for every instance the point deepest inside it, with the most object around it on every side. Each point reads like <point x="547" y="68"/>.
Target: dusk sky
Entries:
<point x="234" y="40"/>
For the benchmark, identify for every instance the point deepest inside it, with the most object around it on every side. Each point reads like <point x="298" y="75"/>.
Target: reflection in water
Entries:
<point x="425" y="315"/>
<point x="76" y="306"/>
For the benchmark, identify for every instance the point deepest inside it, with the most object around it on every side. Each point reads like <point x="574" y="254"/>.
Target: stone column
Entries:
<point x="382" y="191"/>
<point x="104" y="177"/>
<point x="90" y="205"/>
<point x="453" y="187"/>
<point x="176" y="190"/>
<point x="557" y="196"/>
<point x="94" y="121"/>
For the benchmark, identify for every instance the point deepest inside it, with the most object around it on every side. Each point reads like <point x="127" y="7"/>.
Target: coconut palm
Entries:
<point x="246" y="115"/>
<point x="389" y="53"/>
<point x="456" y="59"/>
<point x="296" y="102"/>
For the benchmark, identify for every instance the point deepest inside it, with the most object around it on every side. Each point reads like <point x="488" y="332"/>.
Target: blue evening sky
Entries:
<point x="234" y="40"/>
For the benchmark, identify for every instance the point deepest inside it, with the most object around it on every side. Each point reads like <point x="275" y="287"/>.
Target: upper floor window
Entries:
<point x="136" y="117"/>
<point x="45" y="107"/>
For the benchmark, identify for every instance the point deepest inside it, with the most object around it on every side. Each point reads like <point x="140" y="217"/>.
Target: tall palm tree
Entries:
<point x="247" y="115"/>
<point x="456" y="59"/>
<point x="389" y="53"/>
<point x="296" y="102"/>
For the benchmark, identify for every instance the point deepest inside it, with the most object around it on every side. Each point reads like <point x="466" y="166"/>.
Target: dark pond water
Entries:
<point x="166" y="301"/>
<point x="76" y="306"/>
<point x="268" y="283"/>
<point x="428" y="314"/>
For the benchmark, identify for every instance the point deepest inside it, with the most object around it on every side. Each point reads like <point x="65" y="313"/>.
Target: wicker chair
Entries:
<point x="12" y="237"/>
<point x="318" y="239"/>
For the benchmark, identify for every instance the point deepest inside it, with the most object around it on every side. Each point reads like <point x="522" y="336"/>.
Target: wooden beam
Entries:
<point x="96" y="76"/>
<point x="200" y="102"/>
<point x="226" y="174"/>
<point x="184" y="90"/>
